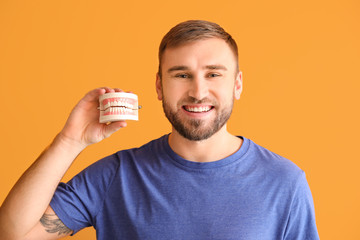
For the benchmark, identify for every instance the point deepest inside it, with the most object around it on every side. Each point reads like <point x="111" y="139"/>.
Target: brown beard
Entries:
<point x="194" y="129"/>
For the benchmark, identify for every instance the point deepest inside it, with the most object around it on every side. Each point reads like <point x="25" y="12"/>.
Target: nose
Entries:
<point x="199" y="88"/>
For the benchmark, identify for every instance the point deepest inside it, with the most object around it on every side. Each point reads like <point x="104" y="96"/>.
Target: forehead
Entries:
<point x="196" y="54"/>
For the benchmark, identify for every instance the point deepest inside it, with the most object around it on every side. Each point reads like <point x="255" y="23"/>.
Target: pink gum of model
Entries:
<point x="118" y="106"/>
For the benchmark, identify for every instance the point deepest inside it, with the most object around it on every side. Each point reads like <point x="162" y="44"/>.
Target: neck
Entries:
<point x="220" y="145"/>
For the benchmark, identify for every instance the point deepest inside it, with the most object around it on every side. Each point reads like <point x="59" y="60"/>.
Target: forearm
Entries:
<point x="31" y="195"/>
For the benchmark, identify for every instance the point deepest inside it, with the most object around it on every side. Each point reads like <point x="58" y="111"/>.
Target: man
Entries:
<point x="198" y="182"/>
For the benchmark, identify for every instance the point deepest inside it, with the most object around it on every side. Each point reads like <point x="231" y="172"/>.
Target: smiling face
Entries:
<point x="198" y="85"/>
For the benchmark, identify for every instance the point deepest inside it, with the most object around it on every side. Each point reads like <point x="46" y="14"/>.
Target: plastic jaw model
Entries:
<point x="118" y="106"/>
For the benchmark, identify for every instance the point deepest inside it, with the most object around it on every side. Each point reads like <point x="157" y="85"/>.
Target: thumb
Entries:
<point x="113" y="127"/>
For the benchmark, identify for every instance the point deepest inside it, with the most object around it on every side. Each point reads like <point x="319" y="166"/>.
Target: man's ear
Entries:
<point x="159" y="87"/>
<point x="238" y="85"/>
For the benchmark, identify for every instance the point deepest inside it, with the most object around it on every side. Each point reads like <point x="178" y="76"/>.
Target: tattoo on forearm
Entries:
<point x="53" y="224"/>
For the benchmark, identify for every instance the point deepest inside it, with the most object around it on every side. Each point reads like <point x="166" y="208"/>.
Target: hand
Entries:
<point x="83" y="127"/>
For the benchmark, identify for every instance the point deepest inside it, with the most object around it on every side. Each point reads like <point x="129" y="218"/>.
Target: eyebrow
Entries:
<point x="218" y="66"/>
<point x="182" y="68"/>
<point x="177" y="68"/>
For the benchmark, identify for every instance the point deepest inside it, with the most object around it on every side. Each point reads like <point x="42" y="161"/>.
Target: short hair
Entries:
<point x="194" y="30"/>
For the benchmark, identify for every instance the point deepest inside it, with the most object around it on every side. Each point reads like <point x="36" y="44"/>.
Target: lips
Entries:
<point x="118" y="106"/>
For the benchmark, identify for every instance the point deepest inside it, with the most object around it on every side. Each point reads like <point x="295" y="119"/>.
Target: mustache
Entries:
<point x="192" y="100"/>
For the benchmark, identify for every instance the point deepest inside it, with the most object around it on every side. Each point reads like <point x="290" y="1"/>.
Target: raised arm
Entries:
<point x="28" y="201"/>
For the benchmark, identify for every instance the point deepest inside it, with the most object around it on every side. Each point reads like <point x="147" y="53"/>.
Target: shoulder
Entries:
<point x="278" y="175"/>
<point x="149" y="150"/>
<point x="274" y="165"/>
<point x="108" y="166"/>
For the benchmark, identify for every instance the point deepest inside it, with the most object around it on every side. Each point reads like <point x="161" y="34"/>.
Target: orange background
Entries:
<point x="300" y="61"/>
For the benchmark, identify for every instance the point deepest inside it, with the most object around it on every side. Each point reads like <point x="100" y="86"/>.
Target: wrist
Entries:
<point x="69" y="143"/>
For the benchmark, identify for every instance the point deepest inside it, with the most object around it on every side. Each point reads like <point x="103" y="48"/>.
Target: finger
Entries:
<point x="109" y="90"/>
<point x="93" y="95"/>
<point x="118" y="90"/>
<point x="113" y="127"/>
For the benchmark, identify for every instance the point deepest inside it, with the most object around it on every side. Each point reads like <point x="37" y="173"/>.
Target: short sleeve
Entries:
<point x="301" y="223"/>
<point x="77" y="202"/>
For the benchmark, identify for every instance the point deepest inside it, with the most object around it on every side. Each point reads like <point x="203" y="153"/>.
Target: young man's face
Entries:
<point x="198" y="85"/>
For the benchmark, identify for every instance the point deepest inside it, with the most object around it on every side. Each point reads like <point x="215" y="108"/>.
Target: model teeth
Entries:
<point x="118" y="106"/>
<point x="198" y="109"/>
<point x="118" y="110"/>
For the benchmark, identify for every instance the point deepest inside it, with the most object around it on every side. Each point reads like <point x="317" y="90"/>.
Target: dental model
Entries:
<point x="118" y="106"/>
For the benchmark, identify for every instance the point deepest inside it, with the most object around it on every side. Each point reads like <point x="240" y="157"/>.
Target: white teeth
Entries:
<point x="198" y="109"/>
<point x="118" y="107"/>
<point x="118" y="110"/>
<point x="118" y="103"/>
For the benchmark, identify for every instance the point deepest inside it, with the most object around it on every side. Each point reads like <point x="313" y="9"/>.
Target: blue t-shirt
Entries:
<point x="152" y="193"/>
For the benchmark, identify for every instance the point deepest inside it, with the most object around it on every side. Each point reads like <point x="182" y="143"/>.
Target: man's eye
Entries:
<point x="212" y="75"/>
<point x="181" y="76"/>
